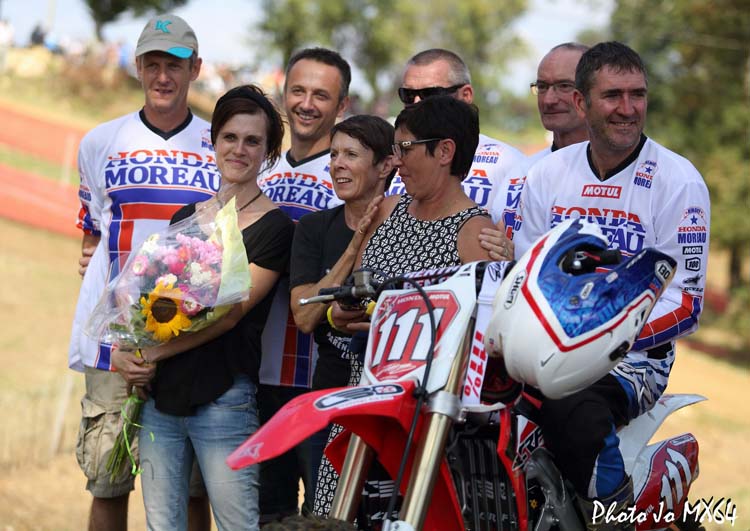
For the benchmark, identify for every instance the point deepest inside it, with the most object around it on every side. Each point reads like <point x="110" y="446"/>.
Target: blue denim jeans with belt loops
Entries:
<point x="168" y="444"/>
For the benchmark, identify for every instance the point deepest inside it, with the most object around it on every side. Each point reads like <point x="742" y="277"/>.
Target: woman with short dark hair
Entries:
<point x="435" y="224"/>
<point x="202" y="399"/>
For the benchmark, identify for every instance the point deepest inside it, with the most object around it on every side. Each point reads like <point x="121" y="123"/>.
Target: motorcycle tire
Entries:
<point x="688" y="525"/>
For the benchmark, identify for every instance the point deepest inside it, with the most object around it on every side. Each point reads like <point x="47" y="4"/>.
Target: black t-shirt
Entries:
<point x="203" y="374"/>
<point x="319" y="241"/>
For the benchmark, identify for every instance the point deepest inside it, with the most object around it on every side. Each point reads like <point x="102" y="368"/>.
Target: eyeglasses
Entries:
<point x="400" y="149"/>
<point x="407" y="95"/>
<point x="561" y="87"/>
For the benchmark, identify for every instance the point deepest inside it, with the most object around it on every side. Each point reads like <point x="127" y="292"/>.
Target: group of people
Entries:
<point x="350" y="192"/>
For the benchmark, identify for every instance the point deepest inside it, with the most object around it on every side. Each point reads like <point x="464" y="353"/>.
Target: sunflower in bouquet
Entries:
<point x="181" y="279"/>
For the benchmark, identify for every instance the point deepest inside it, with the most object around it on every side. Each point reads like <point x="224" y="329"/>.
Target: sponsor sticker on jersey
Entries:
<point x="487" y="154"/>
<point x="206" y="139"/>
<point x="512" y="200"/>
<point x="692" y="249"/>
<point x="623" y="229"/>
<point x="298" y="193"/>
<point x="693" y="264"/>
<point x="693" y="228"/>
<point x="84" y="194"/>
<point x="161" y="168"/>
<point x="645" y="174"/>
<point x="478" y="186"/>
<point x="601" y="190"/>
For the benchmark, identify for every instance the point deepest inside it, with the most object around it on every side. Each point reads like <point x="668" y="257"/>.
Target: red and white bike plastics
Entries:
<point x="423" y="375"/>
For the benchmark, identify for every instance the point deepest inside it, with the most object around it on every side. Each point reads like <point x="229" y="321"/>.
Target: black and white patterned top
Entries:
<point x="403" y="243"/>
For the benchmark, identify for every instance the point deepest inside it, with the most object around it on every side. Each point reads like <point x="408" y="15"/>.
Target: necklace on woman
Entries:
<point x="249" y="202"/>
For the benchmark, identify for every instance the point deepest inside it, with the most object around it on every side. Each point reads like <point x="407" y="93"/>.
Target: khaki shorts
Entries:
<point x="100" y="424"/>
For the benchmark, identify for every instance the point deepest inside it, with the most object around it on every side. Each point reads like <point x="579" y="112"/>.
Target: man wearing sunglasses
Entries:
<point x="439" y="72"/>
<point x="553" y="88"/>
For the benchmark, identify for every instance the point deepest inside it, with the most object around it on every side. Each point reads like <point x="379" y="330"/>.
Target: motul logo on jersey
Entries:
<point x="600" y="190"/>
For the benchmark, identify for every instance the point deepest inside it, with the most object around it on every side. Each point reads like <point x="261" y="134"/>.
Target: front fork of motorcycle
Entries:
<point x="352" y="479"/>
<point x="443" y="410"/>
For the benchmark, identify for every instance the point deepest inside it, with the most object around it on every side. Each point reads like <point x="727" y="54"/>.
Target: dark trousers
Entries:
<point x="280" y="477"/>
<point x="580" y="428"/>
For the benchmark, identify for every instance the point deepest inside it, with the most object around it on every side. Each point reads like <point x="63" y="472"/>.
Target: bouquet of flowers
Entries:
<point x="181" y="279"/>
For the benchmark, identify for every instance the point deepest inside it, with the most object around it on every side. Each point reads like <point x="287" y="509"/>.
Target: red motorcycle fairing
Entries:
<point x="514" y="446"/>
<point x="311" y="412"/>
<point x="369" y="411"/>
<point x="672" y="467"/>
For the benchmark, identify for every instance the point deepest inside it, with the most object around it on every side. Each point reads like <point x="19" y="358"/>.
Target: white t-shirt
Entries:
<point x="132" y="181"/>
<point x="654" y="199"/>
<point x="298" y="188"/>
<point x="494" y="161"/>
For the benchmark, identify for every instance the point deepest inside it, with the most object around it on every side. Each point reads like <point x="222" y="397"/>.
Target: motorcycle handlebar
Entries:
<point x="363" y="288"/>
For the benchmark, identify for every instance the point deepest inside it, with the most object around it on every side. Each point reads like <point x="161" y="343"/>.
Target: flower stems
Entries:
<point x="122" y="451"/>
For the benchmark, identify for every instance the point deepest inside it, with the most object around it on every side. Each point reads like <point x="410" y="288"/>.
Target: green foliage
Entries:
<point x="479" y="31"/>
<point x="106" y="11"/>
<point x="379" y="36"/>
<point x="698" y="59"/>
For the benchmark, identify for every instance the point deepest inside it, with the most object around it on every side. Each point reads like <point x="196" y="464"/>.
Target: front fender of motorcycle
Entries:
<point x="306" y="414"/>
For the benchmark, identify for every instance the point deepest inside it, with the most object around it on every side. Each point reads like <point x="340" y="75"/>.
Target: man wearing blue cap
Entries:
<point x="135" y="171"/>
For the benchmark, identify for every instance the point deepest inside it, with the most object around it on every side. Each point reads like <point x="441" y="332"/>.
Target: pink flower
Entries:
<point x="173" y="261"/>
<point x="188" y="304"/>
<point x="140" y="265"/>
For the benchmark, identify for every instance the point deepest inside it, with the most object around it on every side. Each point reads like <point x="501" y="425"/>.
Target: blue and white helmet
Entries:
<point x="560" y="323"/>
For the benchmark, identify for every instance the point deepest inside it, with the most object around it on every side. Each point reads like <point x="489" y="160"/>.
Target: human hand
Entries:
<point x="141" y="392"/>
<point x="132" y="368"/>
<point x="365" y="221"/>
<point x="497" y="244"/>
<point x="349" y="320"/>
<point x="83" y="261"/>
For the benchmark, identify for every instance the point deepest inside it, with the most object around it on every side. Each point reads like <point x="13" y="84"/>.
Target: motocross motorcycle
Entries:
<point x="446" y="421"/>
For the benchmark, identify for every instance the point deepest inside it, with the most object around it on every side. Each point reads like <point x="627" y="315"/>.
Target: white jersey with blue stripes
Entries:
<point x="132" y="181"/>
<point x="654" y="199"/>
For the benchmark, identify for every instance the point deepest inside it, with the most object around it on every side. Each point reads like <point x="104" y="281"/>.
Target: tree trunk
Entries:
<point x="735" y="267"/>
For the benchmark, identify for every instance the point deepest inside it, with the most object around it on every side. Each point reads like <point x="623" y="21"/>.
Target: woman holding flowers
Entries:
<point x="202" y="399"/>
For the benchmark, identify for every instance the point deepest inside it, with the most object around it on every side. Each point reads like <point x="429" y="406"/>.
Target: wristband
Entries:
<point x="330" y="320"/>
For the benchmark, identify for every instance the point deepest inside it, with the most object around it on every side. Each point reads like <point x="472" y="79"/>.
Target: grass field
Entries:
<point x="41" y="487"/>
<point x="45" y="492"/>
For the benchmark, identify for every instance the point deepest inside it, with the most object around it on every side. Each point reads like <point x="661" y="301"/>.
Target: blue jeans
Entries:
<point x="211" y="435"/>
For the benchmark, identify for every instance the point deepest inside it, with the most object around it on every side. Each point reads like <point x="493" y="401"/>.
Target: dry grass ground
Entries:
<point x="44" y="492"/>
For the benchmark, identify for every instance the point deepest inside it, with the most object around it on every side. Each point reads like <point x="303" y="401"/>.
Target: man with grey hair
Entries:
<point x="437" y="72"/>
<point x="554" y="88"/>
